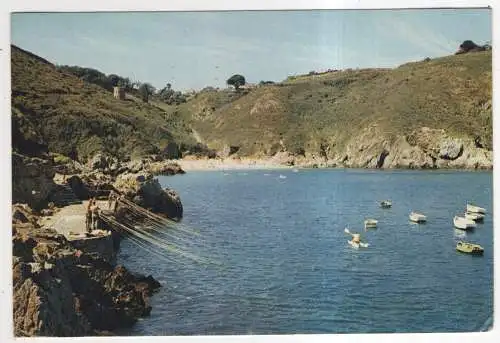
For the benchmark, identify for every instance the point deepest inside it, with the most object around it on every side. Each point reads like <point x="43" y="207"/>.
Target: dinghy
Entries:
<point x="474" y="216"/>
<point x="371" y="223"/>
<point x="475" y="209"/>
<point x="418" y="217"/>
<point x="282" y="176"/>
<point x="353" y="242"/>
<point x="386" y="204"/>
<point x="463" y="223"/>
<point x="358" y="245"/>
<point x="470" y="248"/>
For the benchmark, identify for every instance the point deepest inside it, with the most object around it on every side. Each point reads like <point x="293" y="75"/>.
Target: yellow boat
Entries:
<point x="470" y="248"/>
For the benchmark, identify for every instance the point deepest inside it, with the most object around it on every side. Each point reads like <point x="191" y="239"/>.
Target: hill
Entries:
<point x="58" y="112"/>
<point x="428" y="114"/>
<point x="342" y="116"/>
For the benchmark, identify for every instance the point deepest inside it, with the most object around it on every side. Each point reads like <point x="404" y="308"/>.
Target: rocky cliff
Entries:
<point x="61" y="291"/>
<point x="423" y="148"/>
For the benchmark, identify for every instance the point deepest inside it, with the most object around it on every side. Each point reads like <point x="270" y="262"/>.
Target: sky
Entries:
<point x="192" y="50"/>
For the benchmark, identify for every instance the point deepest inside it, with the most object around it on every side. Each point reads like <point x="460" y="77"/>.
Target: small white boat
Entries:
<point x="295" y="170"/>
<point x="475" y="209"/>
<point x="282" y="176"/>
<point x="418" y="217"/>
<point x="474" y="216"/>
<point x="371" y="223"/>
<point x="358" y="245"/>
<point x="386" y="204"/>
<point x="463" y="223"/>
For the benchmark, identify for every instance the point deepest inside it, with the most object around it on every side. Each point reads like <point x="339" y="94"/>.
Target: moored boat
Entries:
<point x="386" y="204"/>
<point x="358" y="245"/>
<point x="463" y="223"/>
<point x="371" y="223"/>
<point x="418" y="217"/>
<point x="470" y="248"/>
<point x="474" y="216"/>
<point x="475" y="209"/>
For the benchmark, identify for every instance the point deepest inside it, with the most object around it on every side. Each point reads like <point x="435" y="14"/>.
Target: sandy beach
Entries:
<point x="229" y="164"/>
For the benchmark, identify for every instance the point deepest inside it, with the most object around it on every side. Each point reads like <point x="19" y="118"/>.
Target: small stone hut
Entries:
<point x="119" y="93"/>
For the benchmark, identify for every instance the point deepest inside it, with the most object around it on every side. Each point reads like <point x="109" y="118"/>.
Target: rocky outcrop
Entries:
<point x="423" y="148"/>
<point x="109" y="165"/>
<point x="78" y="187"/>
<point x="145" y="190"/>
<point x="32" y="180"/>
<point x="164" y="168"/>
<point x="61" y="291"/>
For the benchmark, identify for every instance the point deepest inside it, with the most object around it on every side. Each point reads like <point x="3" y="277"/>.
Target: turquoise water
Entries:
<point x="285" y="266"/>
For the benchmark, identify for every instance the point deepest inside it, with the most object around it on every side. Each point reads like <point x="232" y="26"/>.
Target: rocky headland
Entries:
<point x="62" y="291"/>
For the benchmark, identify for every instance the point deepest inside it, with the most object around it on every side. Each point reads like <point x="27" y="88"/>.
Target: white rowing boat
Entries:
<point x="463" y="223"/>
<point x="358" y="245"/>
<point x="417" y="217"/>
<point x="474" y="216"/>
<point x="475" y="209"/>
<point x="371" y="223"/>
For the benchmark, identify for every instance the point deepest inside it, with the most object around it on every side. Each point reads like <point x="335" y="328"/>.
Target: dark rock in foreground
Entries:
<point x="61" y="291"/>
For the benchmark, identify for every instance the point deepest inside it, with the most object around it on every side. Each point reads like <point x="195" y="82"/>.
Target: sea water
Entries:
<point x="281" y="263"/>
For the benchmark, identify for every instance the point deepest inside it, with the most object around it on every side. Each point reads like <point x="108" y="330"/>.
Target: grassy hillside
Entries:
<point x="452" y="93"/>
<point x="306" y="114"/>
<point x="59" y="112"/>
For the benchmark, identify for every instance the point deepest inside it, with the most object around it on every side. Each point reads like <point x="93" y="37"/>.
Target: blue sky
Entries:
<point x="192" y="50"/>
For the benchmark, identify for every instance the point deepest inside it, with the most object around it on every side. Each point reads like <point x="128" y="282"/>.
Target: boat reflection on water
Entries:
<point x="459" y="233"/>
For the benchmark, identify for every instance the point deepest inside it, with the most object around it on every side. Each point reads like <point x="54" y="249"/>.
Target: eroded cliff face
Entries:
<point x="32" y="180"/>
<point x="423" y="148"/>
<point x="61" y="291"/>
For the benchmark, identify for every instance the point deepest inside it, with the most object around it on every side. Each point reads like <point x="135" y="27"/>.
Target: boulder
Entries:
<point x="165" y="168"/>
<point x="32" y="180"/>
<point x="146" y="191"/>
<point x="284" y="157"/>
<point x="450" y="149"/>
<point x="79" y="187"/>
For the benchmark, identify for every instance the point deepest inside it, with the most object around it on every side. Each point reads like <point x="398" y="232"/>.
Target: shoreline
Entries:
<point x="268" y="164"/>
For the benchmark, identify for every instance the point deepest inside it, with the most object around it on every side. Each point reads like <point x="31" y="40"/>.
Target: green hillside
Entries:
<point x="452" y="93"/>
<point x="303" y="115"/>
<point x="60" y="112"/>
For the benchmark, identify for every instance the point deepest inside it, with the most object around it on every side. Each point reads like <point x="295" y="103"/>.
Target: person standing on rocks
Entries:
<point x="95" y="215"/>
<point x="111" y="197"/>
<point x="88" y="216"/>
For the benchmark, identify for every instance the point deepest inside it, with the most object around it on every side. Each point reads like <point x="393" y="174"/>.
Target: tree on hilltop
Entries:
<point x="236" y="81"/>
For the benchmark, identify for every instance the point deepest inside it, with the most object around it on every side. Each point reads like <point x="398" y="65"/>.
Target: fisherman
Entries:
<point x="95" y="215"/>
<point x="117" y="199"/>
<point x="88" y="216"/>
<point x="111" y="197"/>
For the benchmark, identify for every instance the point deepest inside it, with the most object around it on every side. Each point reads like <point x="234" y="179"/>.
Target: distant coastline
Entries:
<point x="227" y="164"/>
